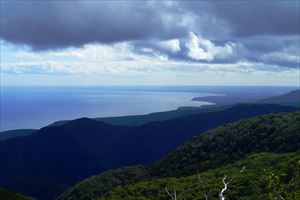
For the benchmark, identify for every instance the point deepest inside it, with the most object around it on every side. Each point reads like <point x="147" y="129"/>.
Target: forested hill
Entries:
<point x="58" y="157"/>
<point x="276" y="133"/>
<point x="265" y="176"/>
<point x="225" y="149"/>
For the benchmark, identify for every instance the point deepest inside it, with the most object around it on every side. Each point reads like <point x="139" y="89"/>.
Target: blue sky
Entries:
<point x="150" y="43"/>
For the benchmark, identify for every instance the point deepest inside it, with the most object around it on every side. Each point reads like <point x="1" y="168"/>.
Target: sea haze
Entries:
<point x="37" y="106"/>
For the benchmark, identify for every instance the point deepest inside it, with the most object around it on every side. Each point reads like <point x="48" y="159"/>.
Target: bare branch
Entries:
<point x="174" y="197"/>
<point x="244" y="167"/>
<point x="221" y="194"/>
<point x="224" y="189"/>
<point x="201" y="182"/>
<point x="226" y="184"/>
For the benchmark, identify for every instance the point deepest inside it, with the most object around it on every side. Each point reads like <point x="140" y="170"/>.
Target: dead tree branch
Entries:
<point x="174" y="196"/>
<point x="203" y="186"/>
<point x="221" y="194"/>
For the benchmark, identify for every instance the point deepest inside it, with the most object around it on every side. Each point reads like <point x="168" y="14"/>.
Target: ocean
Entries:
<point x="38" y="106"/>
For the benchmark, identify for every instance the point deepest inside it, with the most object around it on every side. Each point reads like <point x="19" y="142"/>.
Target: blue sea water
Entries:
<point x="38" y="106"/>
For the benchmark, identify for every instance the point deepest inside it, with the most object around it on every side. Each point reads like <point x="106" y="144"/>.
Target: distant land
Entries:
<point x="222" y="102"/>
<point x="5" y="135"/>
<point x="291" y="98"/>
<point x="27" y="107"/>
<point x="32" y="107"/>
<point x="137" y="120"/>
<point x="131" y="120"/>
<point x="232" y="98"/>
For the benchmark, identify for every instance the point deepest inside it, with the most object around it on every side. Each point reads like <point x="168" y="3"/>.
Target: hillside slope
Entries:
<point x="138" y="120"/>
<point x="99" y="185"/>
<point x="84" y="147"/>
<point x="10" y="195"/>
<point x="130" y="120"/>
<point x="291" y="98"/>
<point x="257" y="181"/>
<point x="5" y="135"/>
<point x="267" y="133"/>
<point x="212" y="150"/>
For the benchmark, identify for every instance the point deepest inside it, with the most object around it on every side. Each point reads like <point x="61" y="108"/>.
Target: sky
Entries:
<point x="150" y="42"/>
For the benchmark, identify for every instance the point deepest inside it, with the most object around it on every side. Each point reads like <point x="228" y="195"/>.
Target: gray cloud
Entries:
<point x="46" y="25"/>
<point x="282" y="51"/>
<point x="59" y="24"/>
<point x="262" y="31"/>
<point x="250" y="18"/>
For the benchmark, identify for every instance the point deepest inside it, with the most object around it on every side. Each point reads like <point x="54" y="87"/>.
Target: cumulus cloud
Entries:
<point x="201" y="49"/>
<point x="119" y="63"/>
<point x="118" y="59"/>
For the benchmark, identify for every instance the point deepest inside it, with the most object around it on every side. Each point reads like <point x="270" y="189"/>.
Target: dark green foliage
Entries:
<point x="213" y="153"/>
<point x="252" y="184"/>
<point x="10" y="195"/>
<point x="69" y="153"/>
<point x="99" y="185"/>
<point x="268" y="133"/>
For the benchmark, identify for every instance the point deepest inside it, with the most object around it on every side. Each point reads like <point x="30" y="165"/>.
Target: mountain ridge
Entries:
<point x="291" y="98"/>
<point x="265" y="131"/>
<point x="85" y="147"/>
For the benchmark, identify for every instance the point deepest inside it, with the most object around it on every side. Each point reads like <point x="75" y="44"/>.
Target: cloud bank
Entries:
<point x="55" y="24"/>
<point x="58" y="24"/>
<point x="138" y="38"/>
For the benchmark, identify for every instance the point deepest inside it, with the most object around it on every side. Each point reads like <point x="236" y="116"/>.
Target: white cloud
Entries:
<point x="147" y="50"/>
<point x="121" y="62"/>
<point x="201" y="49"/>
<point x="105" y="60"/>
<point x="170" y="45"/>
